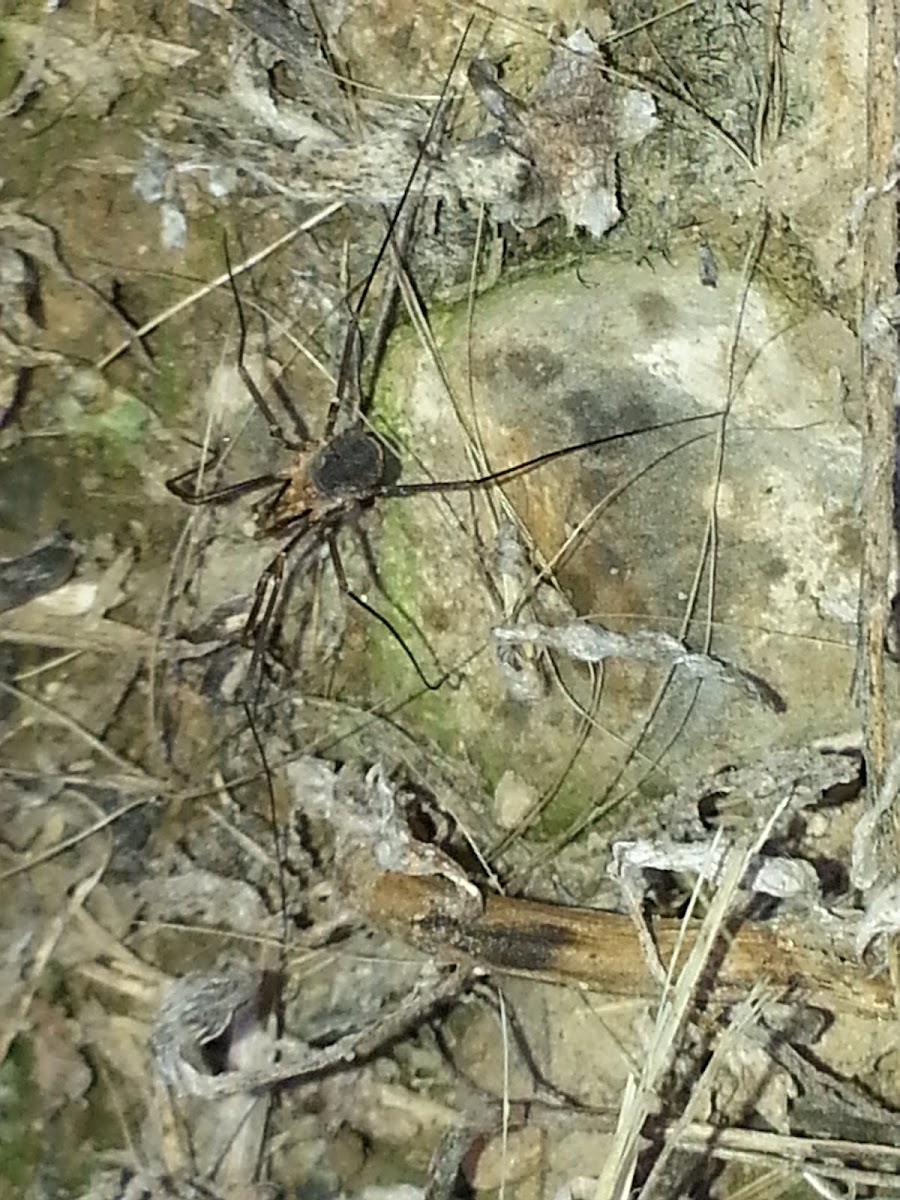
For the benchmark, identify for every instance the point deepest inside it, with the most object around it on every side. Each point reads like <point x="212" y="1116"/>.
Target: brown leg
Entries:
<point x="275" y="430"/>
<point x="181" y="486"/>
<point x="344" y="585"/>
<point x="268" y="598"/>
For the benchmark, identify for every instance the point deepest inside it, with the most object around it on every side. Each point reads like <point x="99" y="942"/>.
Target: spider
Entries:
<point x="326" y="486"/>
<point x="329" y="482"/>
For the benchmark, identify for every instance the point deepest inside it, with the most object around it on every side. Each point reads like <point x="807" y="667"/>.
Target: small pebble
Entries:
<point x="817" y="825"/>
<point x="513" y="799"/>
<point x="524" y="1148"/>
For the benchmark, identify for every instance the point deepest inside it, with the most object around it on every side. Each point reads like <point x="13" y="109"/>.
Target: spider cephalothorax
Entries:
<point x="344" y="472"/>
<point x="351" y="465"/>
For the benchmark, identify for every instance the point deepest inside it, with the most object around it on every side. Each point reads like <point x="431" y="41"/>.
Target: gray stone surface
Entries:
<point x="620" y="347"/>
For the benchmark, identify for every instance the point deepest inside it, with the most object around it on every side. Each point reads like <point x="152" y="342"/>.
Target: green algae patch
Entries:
<point x="90" y="407"/>
<point x="42" y="1148"/>
<point x="20" y="1137"/>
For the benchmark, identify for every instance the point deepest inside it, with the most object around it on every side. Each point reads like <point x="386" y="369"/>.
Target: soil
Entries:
<point x="639" y="230"/>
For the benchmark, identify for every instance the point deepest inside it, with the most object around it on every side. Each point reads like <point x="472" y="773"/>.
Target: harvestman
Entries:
<point x="332" y="480"/>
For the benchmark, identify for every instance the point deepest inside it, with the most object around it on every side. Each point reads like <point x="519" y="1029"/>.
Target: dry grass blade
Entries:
<point x="601" y="950"/>
<point x="744" y="1016"/>
<point x="17" y="1005"/>
<point x="33" y="626"/>
<point x="830" y="1158"/>
<point x="76" y="839"/>
<point x="674" y="1011"/>
<point x="642" y="1094"/>
<point x="259" y="256"/>
<point x="56" y="717"/>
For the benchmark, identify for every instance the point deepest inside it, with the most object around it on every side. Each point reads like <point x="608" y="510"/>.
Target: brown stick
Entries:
<point x="600" y="950"/>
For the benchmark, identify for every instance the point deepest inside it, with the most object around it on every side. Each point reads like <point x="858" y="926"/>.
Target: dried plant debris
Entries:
<point x="590" y="642"/>
<point x="207" y="899"/>
<point x="225" y="1021"/>
<point x="71" y="615"/>
<point x="298" y="146"/>
<point x="732" y="796"/>
<point x="554" y="154"/>
<point x="201" y="1009"/>
<point x="655" y="859"/>
<point x="371" y="828"/>
<point x="214" y="1038"/>
<point x="780" y="877"/>
<point x="566" y="137"/>
<point x="86" y="71"/>
<point x="737" y="1077"/>
<point x="218" y="1011"/>
<point x="198" y="1010"/>
<point x="733" y="799"/>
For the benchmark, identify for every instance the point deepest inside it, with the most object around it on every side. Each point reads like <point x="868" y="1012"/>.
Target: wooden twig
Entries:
<point x="600" y="950"/>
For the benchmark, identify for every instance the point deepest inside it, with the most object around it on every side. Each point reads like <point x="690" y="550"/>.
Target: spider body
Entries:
<point x="324" y="483"/>
<point x="350" y="465"/>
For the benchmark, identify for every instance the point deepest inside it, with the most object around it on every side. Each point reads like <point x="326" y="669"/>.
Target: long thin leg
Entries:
<point x="264" y="509"/>
<point x="345" y="587"/>
<point x="273" y="821"/>
<point x="437" y="117"/>
<point x="375" y="575"/>
<point x="401" y="241"/>
<point x="507" y="474"/>
<point x="348" y="381"/>
<point x="181" y="487"/>
<point x="266" y="604"/>
<point x="275" y="430"/>
<point x="267" y="601"/>
<point x="348" y="395"/>
<point x="398" y="234"/>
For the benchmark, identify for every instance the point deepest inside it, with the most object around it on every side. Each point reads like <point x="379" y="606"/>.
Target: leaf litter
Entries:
<point x="212" y="1033"/>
